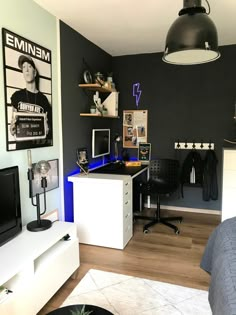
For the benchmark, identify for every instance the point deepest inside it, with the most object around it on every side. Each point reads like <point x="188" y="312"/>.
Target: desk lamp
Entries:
<point x="116" y="153"/>
<point x="42" y="167"/>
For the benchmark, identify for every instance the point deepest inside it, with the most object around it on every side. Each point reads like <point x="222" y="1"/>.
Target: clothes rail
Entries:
<point x="194" y="145"/>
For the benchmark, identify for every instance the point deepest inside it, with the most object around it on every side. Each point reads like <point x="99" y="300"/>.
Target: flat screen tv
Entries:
<point x="100" y="142"/>
<point x="10" y="207"/>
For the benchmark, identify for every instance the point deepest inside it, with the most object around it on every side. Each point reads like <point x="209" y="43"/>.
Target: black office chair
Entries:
<point x="163" y="180"/>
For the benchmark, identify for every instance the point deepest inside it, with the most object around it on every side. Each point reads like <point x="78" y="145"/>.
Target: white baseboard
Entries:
<point x="193" y="210"/>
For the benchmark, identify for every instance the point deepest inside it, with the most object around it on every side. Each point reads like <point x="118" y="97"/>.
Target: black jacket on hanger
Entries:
<point x="192" y="161"/>
<point x="210" y="186"/>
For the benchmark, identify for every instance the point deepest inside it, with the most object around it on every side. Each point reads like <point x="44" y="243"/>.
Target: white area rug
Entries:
<point x="126" y="295"/>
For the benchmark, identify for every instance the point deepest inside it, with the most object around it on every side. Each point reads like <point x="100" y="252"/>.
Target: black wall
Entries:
<point x="78" y="54"/>
<point x="186" y="103"/>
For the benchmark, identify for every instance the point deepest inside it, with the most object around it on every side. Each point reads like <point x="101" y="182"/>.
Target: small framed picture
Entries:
<point x="144" y="152"/>
<point x="52" y="178"/>
<point x="82" y="159"/>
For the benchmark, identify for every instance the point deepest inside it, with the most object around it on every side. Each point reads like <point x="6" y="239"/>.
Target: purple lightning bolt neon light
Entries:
<point x="137" y="93"/>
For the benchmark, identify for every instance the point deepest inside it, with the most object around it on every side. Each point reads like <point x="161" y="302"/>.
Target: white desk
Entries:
<point x="103" y="207"/>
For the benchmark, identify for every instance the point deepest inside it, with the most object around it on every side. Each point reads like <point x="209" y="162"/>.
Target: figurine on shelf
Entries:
<point x="99" y="78"/>
<point x="104" y="110"/>
<point x="97" y="102"/>
<point x="109" y="77"/>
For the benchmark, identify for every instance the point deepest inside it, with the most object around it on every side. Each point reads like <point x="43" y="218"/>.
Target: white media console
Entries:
<point x="34" y="265"/>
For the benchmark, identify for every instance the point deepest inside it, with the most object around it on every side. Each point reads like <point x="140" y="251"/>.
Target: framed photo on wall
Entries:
<point x="52" y="178"/>
<point x="28" y="93"/>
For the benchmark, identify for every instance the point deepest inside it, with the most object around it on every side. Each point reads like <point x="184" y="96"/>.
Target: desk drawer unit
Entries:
<point x="103" y="209"/>
<point x="127" y="211"/>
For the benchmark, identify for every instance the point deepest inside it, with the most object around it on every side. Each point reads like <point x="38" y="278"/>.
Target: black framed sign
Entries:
<point x="28" y="93"/>
<point x="144" y="152"/>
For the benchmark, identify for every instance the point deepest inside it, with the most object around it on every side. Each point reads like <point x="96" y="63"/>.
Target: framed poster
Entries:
<point x="134" y="127"/>
<point x="52" y="178"/>
<point x="28" y="93"/>
<point x="144" y="152"/>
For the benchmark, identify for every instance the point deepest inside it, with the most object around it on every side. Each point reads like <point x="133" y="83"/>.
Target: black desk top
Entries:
<point x="119" y="169"/>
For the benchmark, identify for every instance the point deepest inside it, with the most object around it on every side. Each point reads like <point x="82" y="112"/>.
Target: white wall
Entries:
<point x="27" y="19"/>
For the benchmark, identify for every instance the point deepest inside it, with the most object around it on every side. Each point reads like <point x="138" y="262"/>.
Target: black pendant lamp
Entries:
<point x="192" y="38"/>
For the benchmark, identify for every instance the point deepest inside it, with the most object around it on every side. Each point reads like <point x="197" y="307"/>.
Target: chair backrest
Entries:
<point x="165" y="171"/>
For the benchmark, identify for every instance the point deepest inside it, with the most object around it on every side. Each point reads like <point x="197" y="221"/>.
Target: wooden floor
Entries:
<point x="159" y="255"/>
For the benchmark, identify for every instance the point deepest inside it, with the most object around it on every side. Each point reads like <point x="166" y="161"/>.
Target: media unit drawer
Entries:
<point x="62" y="258"/>
<point x="37" y="265"/>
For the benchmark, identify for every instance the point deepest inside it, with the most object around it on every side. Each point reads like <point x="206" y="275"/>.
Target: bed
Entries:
<point x="219" y="260"/>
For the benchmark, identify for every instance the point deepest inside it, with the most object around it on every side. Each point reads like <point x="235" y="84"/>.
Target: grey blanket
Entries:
<point x="219" y="260"/>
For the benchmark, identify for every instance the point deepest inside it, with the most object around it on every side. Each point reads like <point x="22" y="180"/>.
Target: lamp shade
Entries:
<point x="42" y="167"/>
<point x="192" y="38"/>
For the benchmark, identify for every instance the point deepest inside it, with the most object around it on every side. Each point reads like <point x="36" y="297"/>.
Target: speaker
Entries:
<point x="125" y="155"/>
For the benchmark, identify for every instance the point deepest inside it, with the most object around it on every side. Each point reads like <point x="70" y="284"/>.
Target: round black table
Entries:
<point x="67" y="310"/>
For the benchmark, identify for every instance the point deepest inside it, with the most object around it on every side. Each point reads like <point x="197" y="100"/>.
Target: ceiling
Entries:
<point x="124" y="27"/>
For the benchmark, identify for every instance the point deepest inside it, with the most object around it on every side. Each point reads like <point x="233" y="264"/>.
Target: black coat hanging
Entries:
<point x="210" y="186"/>
<point x="192" y="162"/>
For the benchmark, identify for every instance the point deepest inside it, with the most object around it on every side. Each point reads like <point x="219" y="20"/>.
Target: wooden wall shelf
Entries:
<point x="97" y="115"/>
<point x="96" y="87"/>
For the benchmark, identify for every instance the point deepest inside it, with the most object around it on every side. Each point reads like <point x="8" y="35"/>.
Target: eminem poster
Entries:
<point x="28" y="93"/>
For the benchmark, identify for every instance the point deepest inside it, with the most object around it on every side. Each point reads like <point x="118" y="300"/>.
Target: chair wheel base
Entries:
<point x="164" y="221"/>
<point x="163" y="180"/>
